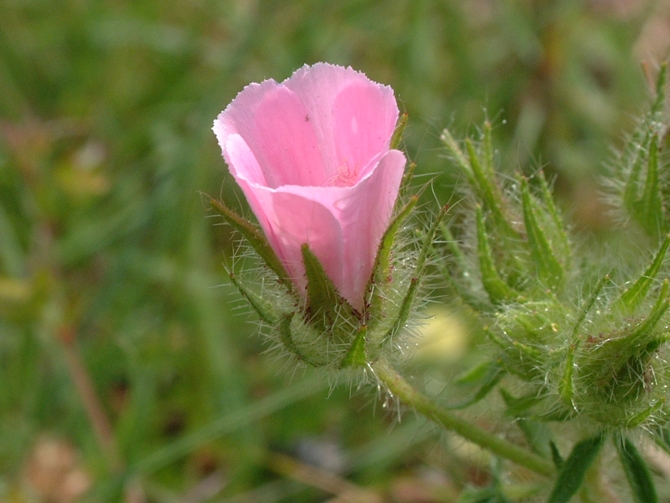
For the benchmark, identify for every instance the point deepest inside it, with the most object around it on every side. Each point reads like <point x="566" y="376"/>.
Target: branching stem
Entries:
<point x="411" y="397"/>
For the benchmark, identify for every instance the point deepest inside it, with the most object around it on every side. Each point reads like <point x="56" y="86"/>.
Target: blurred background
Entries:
<point x="130" y="370"/>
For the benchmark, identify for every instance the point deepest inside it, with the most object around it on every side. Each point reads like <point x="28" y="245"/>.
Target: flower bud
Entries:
<point x="315" y="157"/>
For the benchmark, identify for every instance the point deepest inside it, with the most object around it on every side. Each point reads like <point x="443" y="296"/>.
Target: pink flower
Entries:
<point x="312" y="155"/>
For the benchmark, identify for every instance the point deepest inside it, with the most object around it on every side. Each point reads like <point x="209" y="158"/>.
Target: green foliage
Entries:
<point x="574" y="469"/>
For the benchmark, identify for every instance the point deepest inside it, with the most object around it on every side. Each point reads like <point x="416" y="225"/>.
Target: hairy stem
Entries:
<point x="411" y="397"/>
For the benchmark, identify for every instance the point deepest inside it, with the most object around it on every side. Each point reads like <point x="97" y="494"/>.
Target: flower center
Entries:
<point x="346" y="176"/>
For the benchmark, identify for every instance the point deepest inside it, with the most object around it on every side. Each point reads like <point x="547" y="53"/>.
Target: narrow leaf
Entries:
<point x="637" y="471"/>
<point x="487" y="375"/>
<point x="574" y="469"/>
<point x="556" y="455"/>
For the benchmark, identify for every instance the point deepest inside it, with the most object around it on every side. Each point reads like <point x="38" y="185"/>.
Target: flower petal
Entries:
<point x="276" y="127"/>
<point x="364" y="119"/>
<point x="362" y="213"/>
<point x="319" y="88"/>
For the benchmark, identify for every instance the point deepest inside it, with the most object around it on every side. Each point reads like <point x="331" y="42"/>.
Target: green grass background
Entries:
<point x="105" y="147"/>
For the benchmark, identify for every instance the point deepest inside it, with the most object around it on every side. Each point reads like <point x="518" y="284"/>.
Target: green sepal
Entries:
<point x="616" y="367"/>
<point x="636" y="470"/>
<point x="566" y="388"/>
<point x="326" y="309"/>
<point x="286" y="337"/>
<point x="464" y="291"/>
<point x="661" y="84"/>
<point x="562" y="243"/>
<point x="650" y="209"/>
<point x="637" y="292"/>
<point x="406" y="181"/>
<point x="261" y="306"/>
<point x="522" y="359"/>
<point x="356" y="354"/>
<point x="549" y="268"/>
<point x="572" y="472"/>
<point x="497" y="289"/>
<point x="488" y="192"/>
<point x="643" y="415"/>
<point x="489" y="164"/>
<point x="659" y="309"/>
<point x="406" y="304"/>
<point x="457" y="154"/>
<point x="399" y="130"/>
<point x="256" y="239"/>
<point x="381" y="274"/>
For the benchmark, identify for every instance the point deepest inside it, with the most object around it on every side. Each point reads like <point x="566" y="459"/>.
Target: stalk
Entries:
<point x="411" y="397"/>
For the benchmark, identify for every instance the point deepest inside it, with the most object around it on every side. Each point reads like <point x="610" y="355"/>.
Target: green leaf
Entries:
<point x="637" y="471"/>
<point x="538" y="435"/>
<point x="484" y="495"/>
<point x="548" y="266"/>
<point x="637" y="292"/>
<point x="517" y="406"/>
<point x="571" y="474"/>
<point x="487" y="375"/>
<point x="556" y="455"/>
<point x="256" y="239"/>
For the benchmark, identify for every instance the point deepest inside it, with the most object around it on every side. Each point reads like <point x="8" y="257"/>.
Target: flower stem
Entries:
<point x="411" y="397"/>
